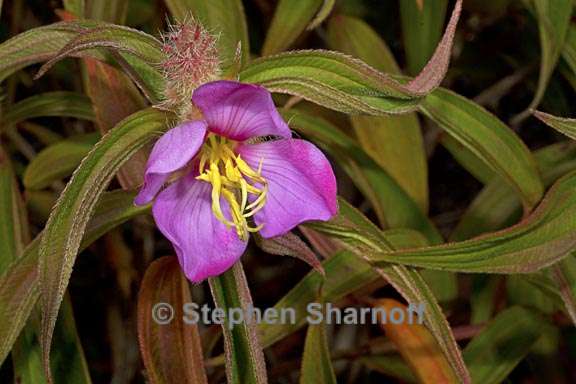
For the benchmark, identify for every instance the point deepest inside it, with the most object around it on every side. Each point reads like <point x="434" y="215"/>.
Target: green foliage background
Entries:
<point x="452" y="139"/>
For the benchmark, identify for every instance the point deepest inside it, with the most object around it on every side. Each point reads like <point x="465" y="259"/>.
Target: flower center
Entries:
<point x="233" y="180"/>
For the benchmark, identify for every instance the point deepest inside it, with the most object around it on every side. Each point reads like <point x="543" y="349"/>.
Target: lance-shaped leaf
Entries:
<point x="289" y="21"/>
<point x="323" y="13"/>
<point x="115" y="97"/>
<point x="415" y="343"/>
<point x="488" y="139"/>
<point x="13" y="226"/>
<point x="316" y="361"/>
<point x="344" y="274"/>
<point x="541" y="239"/>
<point x="68" y="361"/>
<point x="330" y="79"/>
<point x="348" y="85"/>
<point x="244" y="357"/>
<point x="395" y="142"/>
<point x="115" y="37"/>
<point x="58" y="161"/>
<point x="392" y="204"/>
<point x="563" y="125"/>
<point x="14" y="235"/>
<point x="421" y="30"/>
<point x="468" y="160"/>
<point x="68" y="220"/>
<point x="171" y="351"/>
<point x="224" y="17"/>
<point x="507" y="339"/>
<point x="497" y="206"/>
<point x="19" y="284"/>
<point x="59" y="103"/>
<point x="553" y="18"/>
<point x="37" y="45"/>
<point x="137" y="52"/>
<point x="363" y="238"/>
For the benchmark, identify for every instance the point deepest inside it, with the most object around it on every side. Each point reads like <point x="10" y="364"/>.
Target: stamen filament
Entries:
<point x="234" y="180"/>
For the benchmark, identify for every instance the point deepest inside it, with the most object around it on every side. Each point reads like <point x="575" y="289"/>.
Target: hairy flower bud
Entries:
<point x="191" y="59"/>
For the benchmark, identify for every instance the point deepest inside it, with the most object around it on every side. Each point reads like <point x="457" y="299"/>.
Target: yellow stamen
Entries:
<point x="233" y="180"/>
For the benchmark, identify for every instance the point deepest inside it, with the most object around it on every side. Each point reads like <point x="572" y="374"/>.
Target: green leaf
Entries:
<point x="113" y="11"/>
<point x="137" y="52"/>
<point x="569" y="49"/>
<point x="482" y="299"/>
<point x="563" y="275"/>
<point x="553" y="19"/>
<point x="393" y="206"/>
<point x="172" y="352"/>
<point x="289" y="21"/>
<point x="44" y="135"/>
<point x="364" y="239"/>
<point x="344" y="273"/>
<point x="68" y="362"/>
<point x="393" y="366"/>
<point x="395" y="142"/>
<point x="524" y="292"/>
<point x="12" y="223"/>
<point x="14" y="234"/>
<point x="59" y="103"/>
<point x="223" y="17"/>
<point x="57" y="161"/>
<point x="497" y="206"/>
<point x="19" y="283"/>
<point x="67" y="222"/>
<point x="421" y="30"/>
<point x="468" y="160"/>
<point x="488" y="139"/>
<point x="539" y="240"/>
<point x="76" y="7"/>
<point x="332" y="80"/>
<point x="124" y="40"/>
<point x="498" y="348"/>
<point x="244" y="357"/>
<point x="355" y="37"/>
<point x="316" y="361"/>
<point x="348" y="85"/>
<point x="26" y="357"/>
<point x="39" y="44"/>
<point x="561" y="124"/>
<point x="323" y="13"/>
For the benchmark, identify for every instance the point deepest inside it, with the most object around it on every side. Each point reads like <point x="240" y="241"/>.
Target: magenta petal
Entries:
<point x="205" y="247"/>
<point x="239" y="111"/>
<point x="170" y="153"/>
<point x="301" y="184"/>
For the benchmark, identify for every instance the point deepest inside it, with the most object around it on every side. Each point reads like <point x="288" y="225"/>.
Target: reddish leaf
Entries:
<point x="114" y="98"/>
<point x="291" y="245"/>
<point x="172" y="352"/>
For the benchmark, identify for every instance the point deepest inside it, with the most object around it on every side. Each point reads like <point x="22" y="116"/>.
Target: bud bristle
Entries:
<point x="191" y="59"/>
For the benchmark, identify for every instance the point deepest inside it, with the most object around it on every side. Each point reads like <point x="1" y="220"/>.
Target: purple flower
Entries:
<point x="225" y="184"/>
